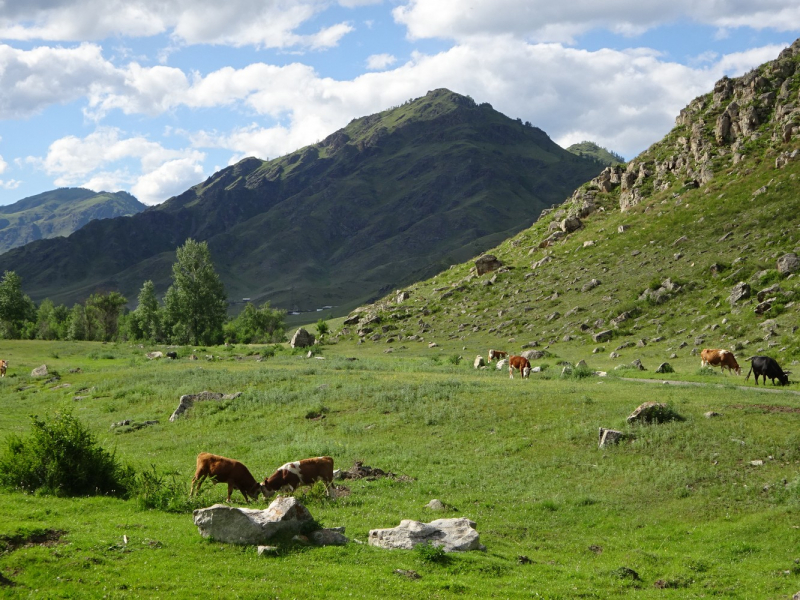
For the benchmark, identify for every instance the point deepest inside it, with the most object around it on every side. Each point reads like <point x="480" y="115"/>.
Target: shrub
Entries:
<point x="428" y="553"/>
<point x="163" y="491"/>
<point x="454" y="359"/>
<point x="62" y="458"/>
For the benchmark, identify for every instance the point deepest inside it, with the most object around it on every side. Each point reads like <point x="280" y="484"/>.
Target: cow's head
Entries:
<point x="784" y="379"/>
<point x="526" y="371"/>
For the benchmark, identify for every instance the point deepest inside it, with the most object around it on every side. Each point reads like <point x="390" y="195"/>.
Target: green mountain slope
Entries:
<point x="60" y="212"/>
<point x="661" y="247"/>
<point x="591" y="150"/>
<point x="391" y="198"/>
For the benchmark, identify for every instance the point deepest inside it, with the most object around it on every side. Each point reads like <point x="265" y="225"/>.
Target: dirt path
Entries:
<point x="768" y="390"/>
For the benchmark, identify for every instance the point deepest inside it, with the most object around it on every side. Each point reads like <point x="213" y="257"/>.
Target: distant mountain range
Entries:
<point x="60" y="212"/>
<point x="391" y="198"/>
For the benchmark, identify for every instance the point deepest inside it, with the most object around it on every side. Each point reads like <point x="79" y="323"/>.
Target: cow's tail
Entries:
<point x="748" y="373"/>
<point x="750" y="359"/>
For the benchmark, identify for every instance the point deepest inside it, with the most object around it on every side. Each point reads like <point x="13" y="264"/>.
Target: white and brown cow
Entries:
<point x="498" y="354"/>
<point x="724" y="359"/>
<point x="299" y="473"/>
<point x="3" y="367"/>
<point x="521" y="364"/>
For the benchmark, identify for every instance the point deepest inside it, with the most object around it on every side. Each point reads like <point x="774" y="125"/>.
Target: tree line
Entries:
<point x="193" y="311"/>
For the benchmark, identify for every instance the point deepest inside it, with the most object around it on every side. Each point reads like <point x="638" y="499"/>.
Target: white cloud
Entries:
<point x="378" y="62"/>
<point x="11" y="184"/>
<point x="105" y="160"/>
<point x="547" y="21"/>
<point x="3" y="165"/>
<point x="261" y="23"/>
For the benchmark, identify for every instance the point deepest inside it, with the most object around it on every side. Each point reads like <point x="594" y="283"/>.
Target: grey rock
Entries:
<point x="788" y="263"/>
<point x="570" y="224"/>
<point x="152" y="355"/>
<point x="711" y="414"/>
<point x="302" y="339"/>
<point x="247" y="526"/>
<point x="590" y="285"/>
<point x="739" y="292"/>
<point x="187" y="401"/>
<point x="435" y="505"/>
<point x="328" y="537"/>
<point x="452" y="535"/>
<point x="638" y="364"/>
<point x="267" y="550"/>
<point x="533" y="354"/>
<point x="603" y="336"/>
<point x="40" y="371"/>
<point x="665" y="367"/>
<point x="478" y="362"/>
<point x="609" y="437"/>
<point x="651" y="412"/>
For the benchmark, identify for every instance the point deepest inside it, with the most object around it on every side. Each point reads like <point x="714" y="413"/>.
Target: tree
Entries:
<point x="195" y="305"/>
<point x="256" y="325"/>
<point x="76" y="323"/>
<point x="145" y="321"/>
<point x="322" y="327"/>
<point x="15" y="307"/>
<point x="107" y="308"/>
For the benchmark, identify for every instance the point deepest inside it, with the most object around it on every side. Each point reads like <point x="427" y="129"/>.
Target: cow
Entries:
<point x="3" y="367"/>
<point x="172" y="355"/>
<point x="226" y="470"/>
<point x="767" y="367"/>
<point x="719" y="358"/>
<point x="299" y="473"/>
<point x="519" y="363"/>
<point x="496" y="354"/>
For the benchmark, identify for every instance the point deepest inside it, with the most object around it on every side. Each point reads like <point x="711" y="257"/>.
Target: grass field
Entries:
<point x="680" y="511"/>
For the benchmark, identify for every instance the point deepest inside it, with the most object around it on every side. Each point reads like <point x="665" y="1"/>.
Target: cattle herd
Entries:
<point x="760" y="366"/>
<point x="288" y="477"/>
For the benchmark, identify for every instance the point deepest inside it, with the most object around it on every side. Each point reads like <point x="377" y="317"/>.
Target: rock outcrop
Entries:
<point x="452" y="535"/>
<point x="247" y="526"/>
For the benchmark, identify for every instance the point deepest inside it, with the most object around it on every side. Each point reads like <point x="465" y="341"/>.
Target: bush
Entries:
<point x="428" y="553"/>
<point x="454" y="359"/>
<point x="62" y="458"/>
<point x="165" y="492"/>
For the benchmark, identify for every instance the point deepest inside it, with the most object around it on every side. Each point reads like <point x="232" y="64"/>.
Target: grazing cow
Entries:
<point x="226" y="470"/>
<point x="172" y="355"/>
<point x="301" y="472"/>
<point x="521" y="364"/>
<point x="719" y="358"/>
<point x="497" y="354"/>
<point x="767" y="367"/>
<point x="3" y="367"/>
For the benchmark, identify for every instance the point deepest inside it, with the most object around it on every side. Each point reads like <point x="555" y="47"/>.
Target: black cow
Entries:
<point x="767" y="367"/>
<point x="172" y="355"/>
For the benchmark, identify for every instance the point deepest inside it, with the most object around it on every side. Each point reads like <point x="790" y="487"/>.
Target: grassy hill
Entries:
<point x="591" y="150"/>
<point x="59" y="213"/>
<point x="390" y="199"/>
<point x="663" y="241"/>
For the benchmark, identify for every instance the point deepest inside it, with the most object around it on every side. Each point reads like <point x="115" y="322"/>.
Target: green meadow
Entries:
<point x="679" y="510"/>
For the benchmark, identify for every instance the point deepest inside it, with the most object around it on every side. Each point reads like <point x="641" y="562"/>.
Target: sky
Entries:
<point x="154" y="96"/>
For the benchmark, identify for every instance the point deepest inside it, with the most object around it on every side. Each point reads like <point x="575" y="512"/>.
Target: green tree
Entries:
<point x="145" y="323"/>
<point x="76" y="323"/>
<point x="15" y="307"/>
<point x="195" y="304"/>
<point x="46" y="321"/>
<point x="256" y="325"/>
<point x="107" y="308"/>
<point x="322" y="327"/>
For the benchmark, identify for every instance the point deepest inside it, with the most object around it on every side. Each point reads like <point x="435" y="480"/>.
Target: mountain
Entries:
<point x="389" y="199"/>
<point x="692" y="244"/>
<point x="60" y="212"/>
<point x="591" y="150"/>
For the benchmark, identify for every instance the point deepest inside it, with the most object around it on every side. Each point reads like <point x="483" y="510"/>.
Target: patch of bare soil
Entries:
<point x="361" y="471"/>
<point x="44" y="537"/>
<point x="768" y="408"/>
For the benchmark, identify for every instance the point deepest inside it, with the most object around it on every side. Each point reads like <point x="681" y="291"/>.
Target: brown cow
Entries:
<point x="3" y="367"/>
<point x="226" y="470"/>
<point x="719" y="358"/>
<point x="301" y="472"/>
<point x="521" y="364"/>
<point x="498" y="354"/>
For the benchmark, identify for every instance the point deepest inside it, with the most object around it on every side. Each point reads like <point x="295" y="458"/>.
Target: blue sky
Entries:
<point x="153" y="96"/>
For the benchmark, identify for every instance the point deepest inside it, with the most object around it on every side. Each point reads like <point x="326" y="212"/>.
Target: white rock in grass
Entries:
<point x="251" y="527"/>
<point x="452" y="535"/>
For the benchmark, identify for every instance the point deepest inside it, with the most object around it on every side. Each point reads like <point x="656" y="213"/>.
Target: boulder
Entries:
<point x="665" y="367"/>
<point x="739" y="292"/>
<point x="188" y="400"/>
<point x="156" y="354"/>
<point x="590" y="285"/>
<point x="533" y="354"/>
<point x="652" y="412"/>
<point x="402" y="296"/>
<point x="247" y="526"/>
<point x="39" y="371"/>
<point x="435" y="505"/>
<point x="452" y="535"/>
<point x="609" y="437"/>
<point x="603" y="336"/>
<point x="478" y="362"/>
<point x="638" y="364"/>
<point x="788" y="263"/>
<point x="487" y="263"/>
<point x="329" y="537"/>
<point x="302" y="339"/>
<point x="570" y="224"/>
<point x="502" y="364"/>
